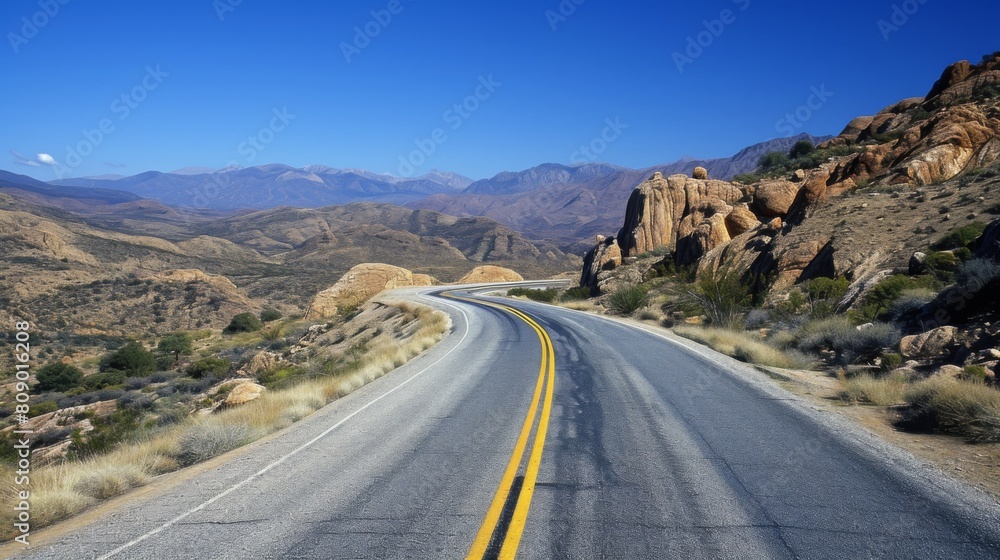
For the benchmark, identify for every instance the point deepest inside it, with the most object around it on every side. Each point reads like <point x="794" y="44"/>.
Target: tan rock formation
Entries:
<point x="244" y="393"/>
<point x="359" y="284"/>
<point x="657" y="206"/>
<point x="261" y="363"/>
<point x="605" y="255"/>
<point x="490" y="273"/>
<point x="930" y="344"/>
<point x="741" y="220"/>
<point x="774" y="198"/>
<point x="700" y="173"/>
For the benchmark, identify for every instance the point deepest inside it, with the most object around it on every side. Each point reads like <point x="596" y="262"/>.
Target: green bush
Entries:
<point x="942" y="263"/>
<point x="175" y="345"/>
<point x="208" y="366"/>
<point x="774" y="161"/>
<point x="43" y="407"/>
<point x="107" y="433"/>
<point x="547" y="295"/>
<point x="724" y="297"/>
<point x="268" y="315"/>
<point x="881" y="298"/>
<point x="132" y="359"/>
<point x="575" y="294"/>
<point x="58" y="376"/>
<point x="891" y="361"/>
<point x="801" y="148"/>
<point x="244" y="322"/>
<point x="960" y="237"/>
<point x="627" y="300"/>
<point x="100" y="381"/>
<point x="827" y="288"/>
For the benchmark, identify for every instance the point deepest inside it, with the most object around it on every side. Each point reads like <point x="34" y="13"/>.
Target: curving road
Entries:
<point x="643" y="447"/>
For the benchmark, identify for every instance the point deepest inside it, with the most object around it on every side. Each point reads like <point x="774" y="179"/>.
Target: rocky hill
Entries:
<point x="860" y="203"/>
<point x="107" y="274"/>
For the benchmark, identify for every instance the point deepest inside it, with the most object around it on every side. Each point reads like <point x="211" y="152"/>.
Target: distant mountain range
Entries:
<point x="564" y="204"/>
<point x="274" y="185"/>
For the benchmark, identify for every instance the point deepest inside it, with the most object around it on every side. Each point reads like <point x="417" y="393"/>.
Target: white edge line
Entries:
<point x="295" y="451"/>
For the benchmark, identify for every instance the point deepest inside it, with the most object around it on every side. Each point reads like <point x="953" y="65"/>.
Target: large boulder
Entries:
<point x="361" y="283"/>
<point x="741" y="220"/>
<point x="773" y="199"/>
<point x="701" y="231"/>
<point x="490" y="273"/>
<point x="657" y="206"/>
<point x="933" y="343"/>
<point x="261" y="363"/>
<point x="244" y="393"/>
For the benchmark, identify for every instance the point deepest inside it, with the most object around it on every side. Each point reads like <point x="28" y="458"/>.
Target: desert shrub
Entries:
<point x="774" y="161"/>
<point x="268" y="315"/>
<point x="208" y="366"/>
<point x="801" y="148"/>
<point x="576" y="293"/>
<point x="203" y="441"/>
<point x="135" y="400"/>
<point x="175" y="345"/>
<point x="58" y="376"/>
<point x="756" y="318"/>
<point x="627" y="299"/>
<point x="724" y="297"/>
<point x="891" y="361"/>
<point x="866" y="389"/>
<point x="908" y="304"/>
<point x="547" y="295"/>
<point x="43" y="407"/>
<point x="244" y="322"/>
<point x="744" y="346"/>
<point x="132" y="359"/>
<point x="748" y="178"/>
<point x="104" y="380"/>
<point x="974" y="372"/>
<point x="960" y="237"/>
<point x="827" y="288"/>
<point x="107" y="433"/>
<point x="849" y="343"/>
<point x="964" y="408"/>
<point x="977" y="274"/>
<point x="885" y="293"/>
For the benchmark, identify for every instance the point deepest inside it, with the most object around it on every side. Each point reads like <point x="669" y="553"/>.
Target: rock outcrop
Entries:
<point x="773" y="199"/>
<point x="933" y="343"/>
<point x="361" y="283"/>
<point x="699" y="173"/>
<point x="244" y="393"/>
<point x="490" y="273"/>
<point x="606" y="255"/>
<point x="261" y="363"/>
<point x="657" y="206"/>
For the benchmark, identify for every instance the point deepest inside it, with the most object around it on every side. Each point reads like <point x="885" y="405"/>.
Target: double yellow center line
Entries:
<point x="481" y="546"/>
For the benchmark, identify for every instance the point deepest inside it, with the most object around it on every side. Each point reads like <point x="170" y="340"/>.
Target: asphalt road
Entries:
<point x="653" y="448"/>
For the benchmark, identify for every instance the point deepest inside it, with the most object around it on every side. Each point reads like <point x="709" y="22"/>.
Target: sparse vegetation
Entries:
<point x="547" y="295"/>
<point x="244" y="322"/>
<point x="269" y="315"/>
<point x="964" y="408"/>
<point x="865" y="389"/>
<point x="724" y="297"/>
<point x="627" y="300"/>
<point x="744" y="346"/>
<point x="960" y="237"/>
<point x="58" y="376"/>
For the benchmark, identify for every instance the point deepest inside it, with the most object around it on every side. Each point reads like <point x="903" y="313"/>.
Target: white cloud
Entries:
<point x="47" y="159"/>
<point x="21" y="160"/>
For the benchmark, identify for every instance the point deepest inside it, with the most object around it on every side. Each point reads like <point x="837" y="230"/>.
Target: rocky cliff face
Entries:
<point x="785" y="230"/>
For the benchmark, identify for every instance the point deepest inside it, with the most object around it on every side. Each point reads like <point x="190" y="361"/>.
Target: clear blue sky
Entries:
<point x="557" y="87"/>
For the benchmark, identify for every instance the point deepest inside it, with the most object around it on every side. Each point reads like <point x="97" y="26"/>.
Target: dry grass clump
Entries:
<point x="744" y="346"/>
<point x="62" y="490"/>
<point x="885" y="391"/>
<point x="969" y="409"/>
